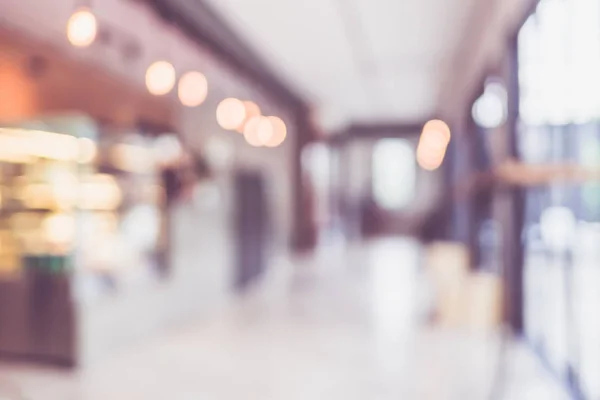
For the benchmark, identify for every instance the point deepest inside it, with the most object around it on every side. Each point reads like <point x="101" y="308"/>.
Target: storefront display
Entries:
<point x="127" y="243"/>
<point x="39" y="175"/>
<point x="73" y="196"/>
<point x="83" y="216"/>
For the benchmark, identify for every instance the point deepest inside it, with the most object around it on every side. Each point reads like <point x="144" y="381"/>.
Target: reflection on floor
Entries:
<point x="344" y="324"/>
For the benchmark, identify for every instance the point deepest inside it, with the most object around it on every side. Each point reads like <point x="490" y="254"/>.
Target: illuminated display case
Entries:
<point x="101" y="203"/>
<point x="40" y="172"/>
<point x="82" y="219"/>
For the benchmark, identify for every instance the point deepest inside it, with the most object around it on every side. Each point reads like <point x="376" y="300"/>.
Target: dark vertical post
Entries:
<point x="513" y="205"/>
<point x="448" y="213"/>
<point x="304" y="235"/>
<point x="251" y="226"/>
<point x="463" y="171"/>
<point x="473" y="202"/>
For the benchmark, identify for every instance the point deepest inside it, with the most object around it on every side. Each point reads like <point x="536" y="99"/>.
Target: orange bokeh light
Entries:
<point x="82" y="28"/>
<point x="252" y="110"/>
<point x="433" y="144"/>
<point x="258" y="131"/>
<point x="192" y="89"/>
<point x="231" y="113"/>
<point x="160" y="78"/>
<point x="279" y="132"/>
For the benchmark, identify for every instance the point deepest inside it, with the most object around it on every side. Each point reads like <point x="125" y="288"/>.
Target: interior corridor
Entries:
<point x="346" y="323"/>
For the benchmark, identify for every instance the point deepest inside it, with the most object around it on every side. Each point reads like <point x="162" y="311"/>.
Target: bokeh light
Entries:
<point x="258" y="131"/>
<point x="49" y="145"/>
<point x="37" y="195"/>
<point x="433" y="144"/>
<point x="558" y="226"/>
<point x="490" y="109"/>
<point x="87" y="150"/>
<point x="59" y="228"/>
<point x="231" y="113"/>
<point x="252" y="110"/>
<point x="132" y="158"/>
<point x="82" y="28"/>
<point x="429" y="161"/>
<point x="64" y="186"/>
<point x="192" y="89"/>
<point x="160" y="78"/>
<point x="279" y="132"/>
<point x="100" y="192"/>
<point x="167" y="149"/>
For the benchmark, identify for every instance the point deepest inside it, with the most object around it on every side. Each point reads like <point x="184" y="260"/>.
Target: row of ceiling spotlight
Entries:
<point x="192" y="89"/>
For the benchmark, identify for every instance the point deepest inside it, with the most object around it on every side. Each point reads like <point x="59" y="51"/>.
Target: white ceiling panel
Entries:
<point x="355" y="60"/>
<point x="399" y="29"/>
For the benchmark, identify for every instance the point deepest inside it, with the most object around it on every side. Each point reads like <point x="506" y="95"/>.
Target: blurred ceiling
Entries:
<point x="355" y="60"/>
<point x="125" y="23"/>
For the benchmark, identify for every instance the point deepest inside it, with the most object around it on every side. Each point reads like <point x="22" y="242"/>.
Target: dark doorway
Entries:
<point x="251" y="226"/>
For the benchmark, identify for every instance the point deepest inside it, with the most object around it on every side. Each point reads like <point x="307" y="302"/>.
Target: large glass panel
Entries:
<point x="559" y="64"/>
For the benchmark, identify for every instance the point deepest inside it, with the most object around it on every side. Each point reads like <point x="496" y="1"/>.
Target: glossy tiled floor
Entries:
<point x="345" y="324"/>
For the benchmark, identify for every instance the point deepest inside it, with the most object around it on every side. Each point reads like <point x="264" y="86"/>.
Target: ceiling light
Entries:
<point x="231" y="113"/>
<point x="433" y="144"/>
<point x="279" y="132"/>
<point x="252" y="110"/>
<point x="160" y="78"/>
<point x="258" y="131"/>
<point x="82" y="28"/>
<point x="192" y="89"/>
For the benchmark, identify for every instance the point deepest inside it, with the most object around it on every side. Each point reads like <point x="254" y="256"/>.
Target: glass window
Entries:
<point x="559" y="58"/>
<point x="559" y="64"/>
